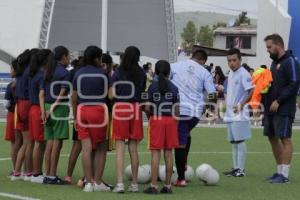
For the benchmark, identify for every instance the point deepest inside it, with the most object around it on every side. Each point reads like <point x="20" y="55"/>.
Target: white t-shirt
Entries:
<point x="239" y="84"/>
<point x="192" y="80"/>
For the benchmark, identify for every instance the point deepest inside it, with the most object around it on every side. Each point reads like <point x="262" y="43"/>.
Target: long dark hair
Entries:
<point x="107" y="59"/>
<point x="22" y="61"/>
<point x="130" y="64"/>
<point x="219" y="72"/>
<point x="53" y="59"/>
<point x="91" y="53"/>
<point x="38" y="60"/>
<point x="162" y="70"/>
<point x="14" y="64"/>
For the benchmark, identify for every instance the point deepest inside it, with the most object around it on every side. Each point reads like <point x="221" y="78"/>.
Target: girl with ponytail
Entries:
<point x="36" y="128"/>
<point x="126" y="87"/>
<point x="163" y="109"/>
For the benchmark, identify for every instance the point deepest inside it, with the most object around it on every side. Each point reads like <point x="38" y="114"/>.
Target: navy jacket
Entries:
<point x="285" y="85"/>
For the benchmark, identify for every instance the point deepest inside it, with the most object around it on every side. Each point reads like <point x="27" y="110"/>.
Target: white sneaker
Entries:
<point x="119" y="188"/>
<point x="27" y="178"/>
<point x="37" y="179"/>
<point x="88" y="187"/>
<point x="16" y="178"/>
<point x="133" y="188"/>
<point x="102" y="187"/>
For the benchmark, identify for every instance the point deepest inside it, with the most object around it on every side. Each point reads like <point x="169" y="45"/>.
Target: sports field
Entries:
<point x="208" y="146"/>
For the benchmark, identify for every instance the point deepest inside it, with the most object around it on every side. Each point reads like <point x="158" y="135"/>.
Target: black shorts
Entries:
<point x="75" y="135"/>
<point x="278" y="126"/>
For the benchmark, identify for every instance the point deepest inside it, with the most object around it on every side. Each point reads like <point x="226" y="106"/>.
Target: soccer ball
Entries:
<point x="128" y="173"/>
<point x="201" y="170"/>
<point x="189" y="173"/>
<point x="148" y="167"/>
<point x="211" y="177"/>
<point x="144" y="174"/>
<point x="162" y="174"/>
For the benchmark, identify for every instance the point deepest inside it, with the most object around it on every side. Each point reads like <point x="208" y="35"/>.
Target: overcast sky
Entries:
<point x="219" y="6"/>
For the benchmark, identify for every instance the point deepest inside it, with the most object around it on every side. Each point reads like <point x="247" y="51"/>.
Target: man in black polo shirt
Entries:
<point x="280" y="105"/>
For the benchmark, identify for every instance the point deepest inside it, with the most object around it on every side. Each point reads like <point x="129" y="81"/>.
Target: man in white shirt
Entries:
<point x="192" y="80"/>
<point x="239" y="92"/>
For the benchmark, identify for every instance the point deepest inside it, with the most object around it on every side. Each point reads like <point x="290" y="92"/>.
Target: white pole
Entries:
<point x="104" y="26"/>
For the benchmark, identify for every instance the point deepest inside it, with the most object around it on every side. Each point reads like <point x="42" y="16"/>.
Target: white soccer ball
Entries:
<point x="189" y="173"/>
<point x="201" y="170"/>
<point x="148" y="167"/>
<point x="211" y="177"/>
<point x="162" y="174"/>
<point x="128" y="173"/>
<point x="144" y="174"/>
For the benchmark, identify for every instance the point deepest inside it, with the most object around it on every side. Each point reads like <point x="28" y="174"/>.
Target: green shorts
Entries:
<point x="57" y="129"/>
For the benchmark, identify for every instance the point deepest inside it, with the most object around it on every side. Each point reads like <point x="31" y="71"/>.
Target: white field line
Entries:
<point x="195" y="152"/>
<point x="15" y="196"/>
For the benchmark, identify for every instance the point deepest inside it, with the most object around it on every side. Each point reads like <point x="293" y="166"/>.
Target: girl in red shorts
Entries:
<point x="10" y="135"/>
<point x="90" y="88"/>
<point x="163" y="108"/>
<point x="126" y="87"/>
<point x="22" y="125"/>
<point x="36" y="127"/>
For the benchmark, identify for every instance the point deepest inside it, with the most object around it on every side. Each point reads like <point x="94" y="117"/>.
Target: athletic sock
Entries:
<point x="285" y="170"/>
<point x="234" y="156"/>
<point x="279" y="169"/>
<point x="51" y="177"/>
<point x="241" y="157"/>
<point x="168" y="186"/>
<point x="180" y="162"/>
<point x="187" y="148"/>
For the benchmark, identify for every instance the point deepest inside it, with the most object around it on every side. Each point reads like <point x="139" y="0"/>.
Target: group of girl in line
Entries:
<point x="106" y="104"/>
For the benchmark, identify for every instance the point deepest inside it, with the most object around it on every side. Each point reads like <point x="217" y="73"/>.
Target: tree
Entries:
<point x="189" y="35"/>
<point x="205" y="36"/>
<point x="219" y="24"/>
<point x="242" y="19"/>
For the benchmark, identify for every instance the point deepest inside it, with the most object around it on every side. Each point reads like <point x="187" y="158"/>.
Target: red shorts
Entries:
<point x="23" y="107"/>
<point x="10" y="127"/>
<point x="162" y="133"/>
<point x="91" y="122"/>
<point x="36" y="127"/>
<point x="127" y="121"/>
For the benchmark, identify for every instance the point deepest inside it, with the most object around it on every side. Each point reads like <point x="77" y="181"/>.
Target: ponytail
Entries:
<point x="50" y="67"/>
<point x="22" y="61"/>
<point x="130" y="64"/>
<point x="162" y="69"/>
<point x="38" y="60"/>
<point x="53" y="59"/>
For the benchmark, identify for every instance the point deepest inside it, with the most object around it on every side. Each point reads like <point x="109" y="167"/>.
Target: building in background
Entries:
<point x="243" y="37"/>
<point x="144" y="23"/>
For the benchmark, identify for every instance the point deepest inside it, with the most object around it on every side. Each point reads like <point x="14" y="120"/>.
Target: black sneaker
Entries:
<point x="151" y="190"/>
<point x="166" y="190"/>
<point x="272" y="177"/>
<point x="239" y="173"/>
<point x="54" y="181"/>
<point x="230" y="173"/>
